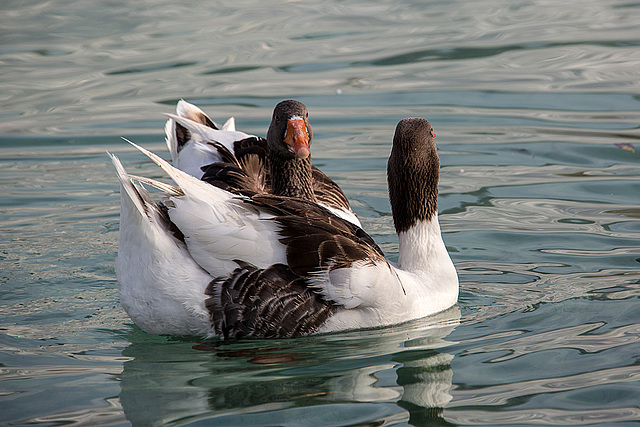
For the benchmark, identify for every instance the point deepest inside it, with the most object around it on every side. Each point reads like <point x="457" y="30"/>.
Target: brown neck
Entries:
<point x="413" y="198"/>
<point x="291" y="177"/>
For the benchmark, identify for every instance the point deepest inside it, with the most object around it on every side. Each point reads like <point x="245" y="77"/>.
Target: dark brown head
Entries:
<point x="288" y="154"/>
<point x="413" y="171"/>
<point x="290" y="135"/>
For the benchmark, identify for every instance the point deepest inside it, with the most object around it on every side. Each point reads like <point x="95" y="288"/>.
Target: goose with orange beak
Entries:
<point x="247" y="164"/>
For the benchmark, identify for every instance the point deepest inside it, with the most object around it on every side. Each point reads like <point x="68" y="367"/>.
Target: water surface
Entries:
<point x="536" y="109"/>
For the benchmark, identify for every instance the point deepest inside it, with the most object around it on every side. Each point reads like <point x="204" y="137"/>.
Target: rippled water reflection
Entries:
<point x="536" y="108"/>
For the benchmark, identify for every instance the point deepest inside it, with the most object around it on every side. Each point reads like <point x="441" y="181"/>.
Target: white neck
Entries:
<point x="422" y="250"/>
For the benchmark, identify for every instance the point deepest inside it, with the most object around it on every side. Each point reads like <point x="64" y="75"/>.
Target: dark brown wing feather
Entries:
<point x="242" y="172"/>
<point x="284" y="206"/>
<point x="271" y="302"/>
<point x="312" y="246"/>
<point x="252" y="145"/>
<point x="245" y="178"/>
<point x="315" y="238"/>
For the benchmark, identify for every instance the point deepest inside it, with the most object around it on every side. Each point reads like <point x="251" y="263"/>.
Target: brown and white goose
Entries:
<point x="209" y="262"/>
<point x="248" y="164"/>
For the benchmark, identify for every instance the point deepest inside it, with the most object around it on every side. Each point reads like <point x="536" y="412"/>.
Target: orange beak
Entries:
<point x="297" y="138"/>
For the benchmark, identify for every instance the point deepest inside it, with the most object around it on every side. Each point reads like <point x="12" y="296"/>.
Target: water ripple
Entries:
<point x="581" y="337"/>
<point x="546" y="416"/>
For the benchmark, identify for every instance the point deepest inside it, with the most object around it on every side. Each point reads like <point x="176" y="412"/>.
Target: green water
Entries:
<point x="536" y="106"/>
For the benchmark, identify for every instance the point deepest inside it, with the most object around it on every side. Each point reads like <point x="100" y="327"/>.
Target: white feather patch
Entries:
<point x="357" y="286"/>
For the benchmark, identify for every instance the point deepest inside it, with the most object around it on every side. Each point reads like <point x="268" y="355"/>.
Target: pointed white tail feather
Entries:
<point x="183" y="107"/>
<point x="127" y="185"/>
<point x="171" y="190"/>
<point x="229" y="125"/>
<point x="170" y="139"/>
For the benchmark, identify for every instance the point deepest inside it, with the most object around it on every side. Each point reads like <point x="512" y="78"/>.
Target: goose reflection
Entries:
<point x="395" y="374"/>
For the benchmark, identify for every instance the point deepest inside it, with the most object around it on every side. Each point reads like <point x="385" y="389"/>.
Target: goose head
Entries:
<point x="290" y="135"/>
<point x="289" y="138"/>
<point x="413" y="171"/>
